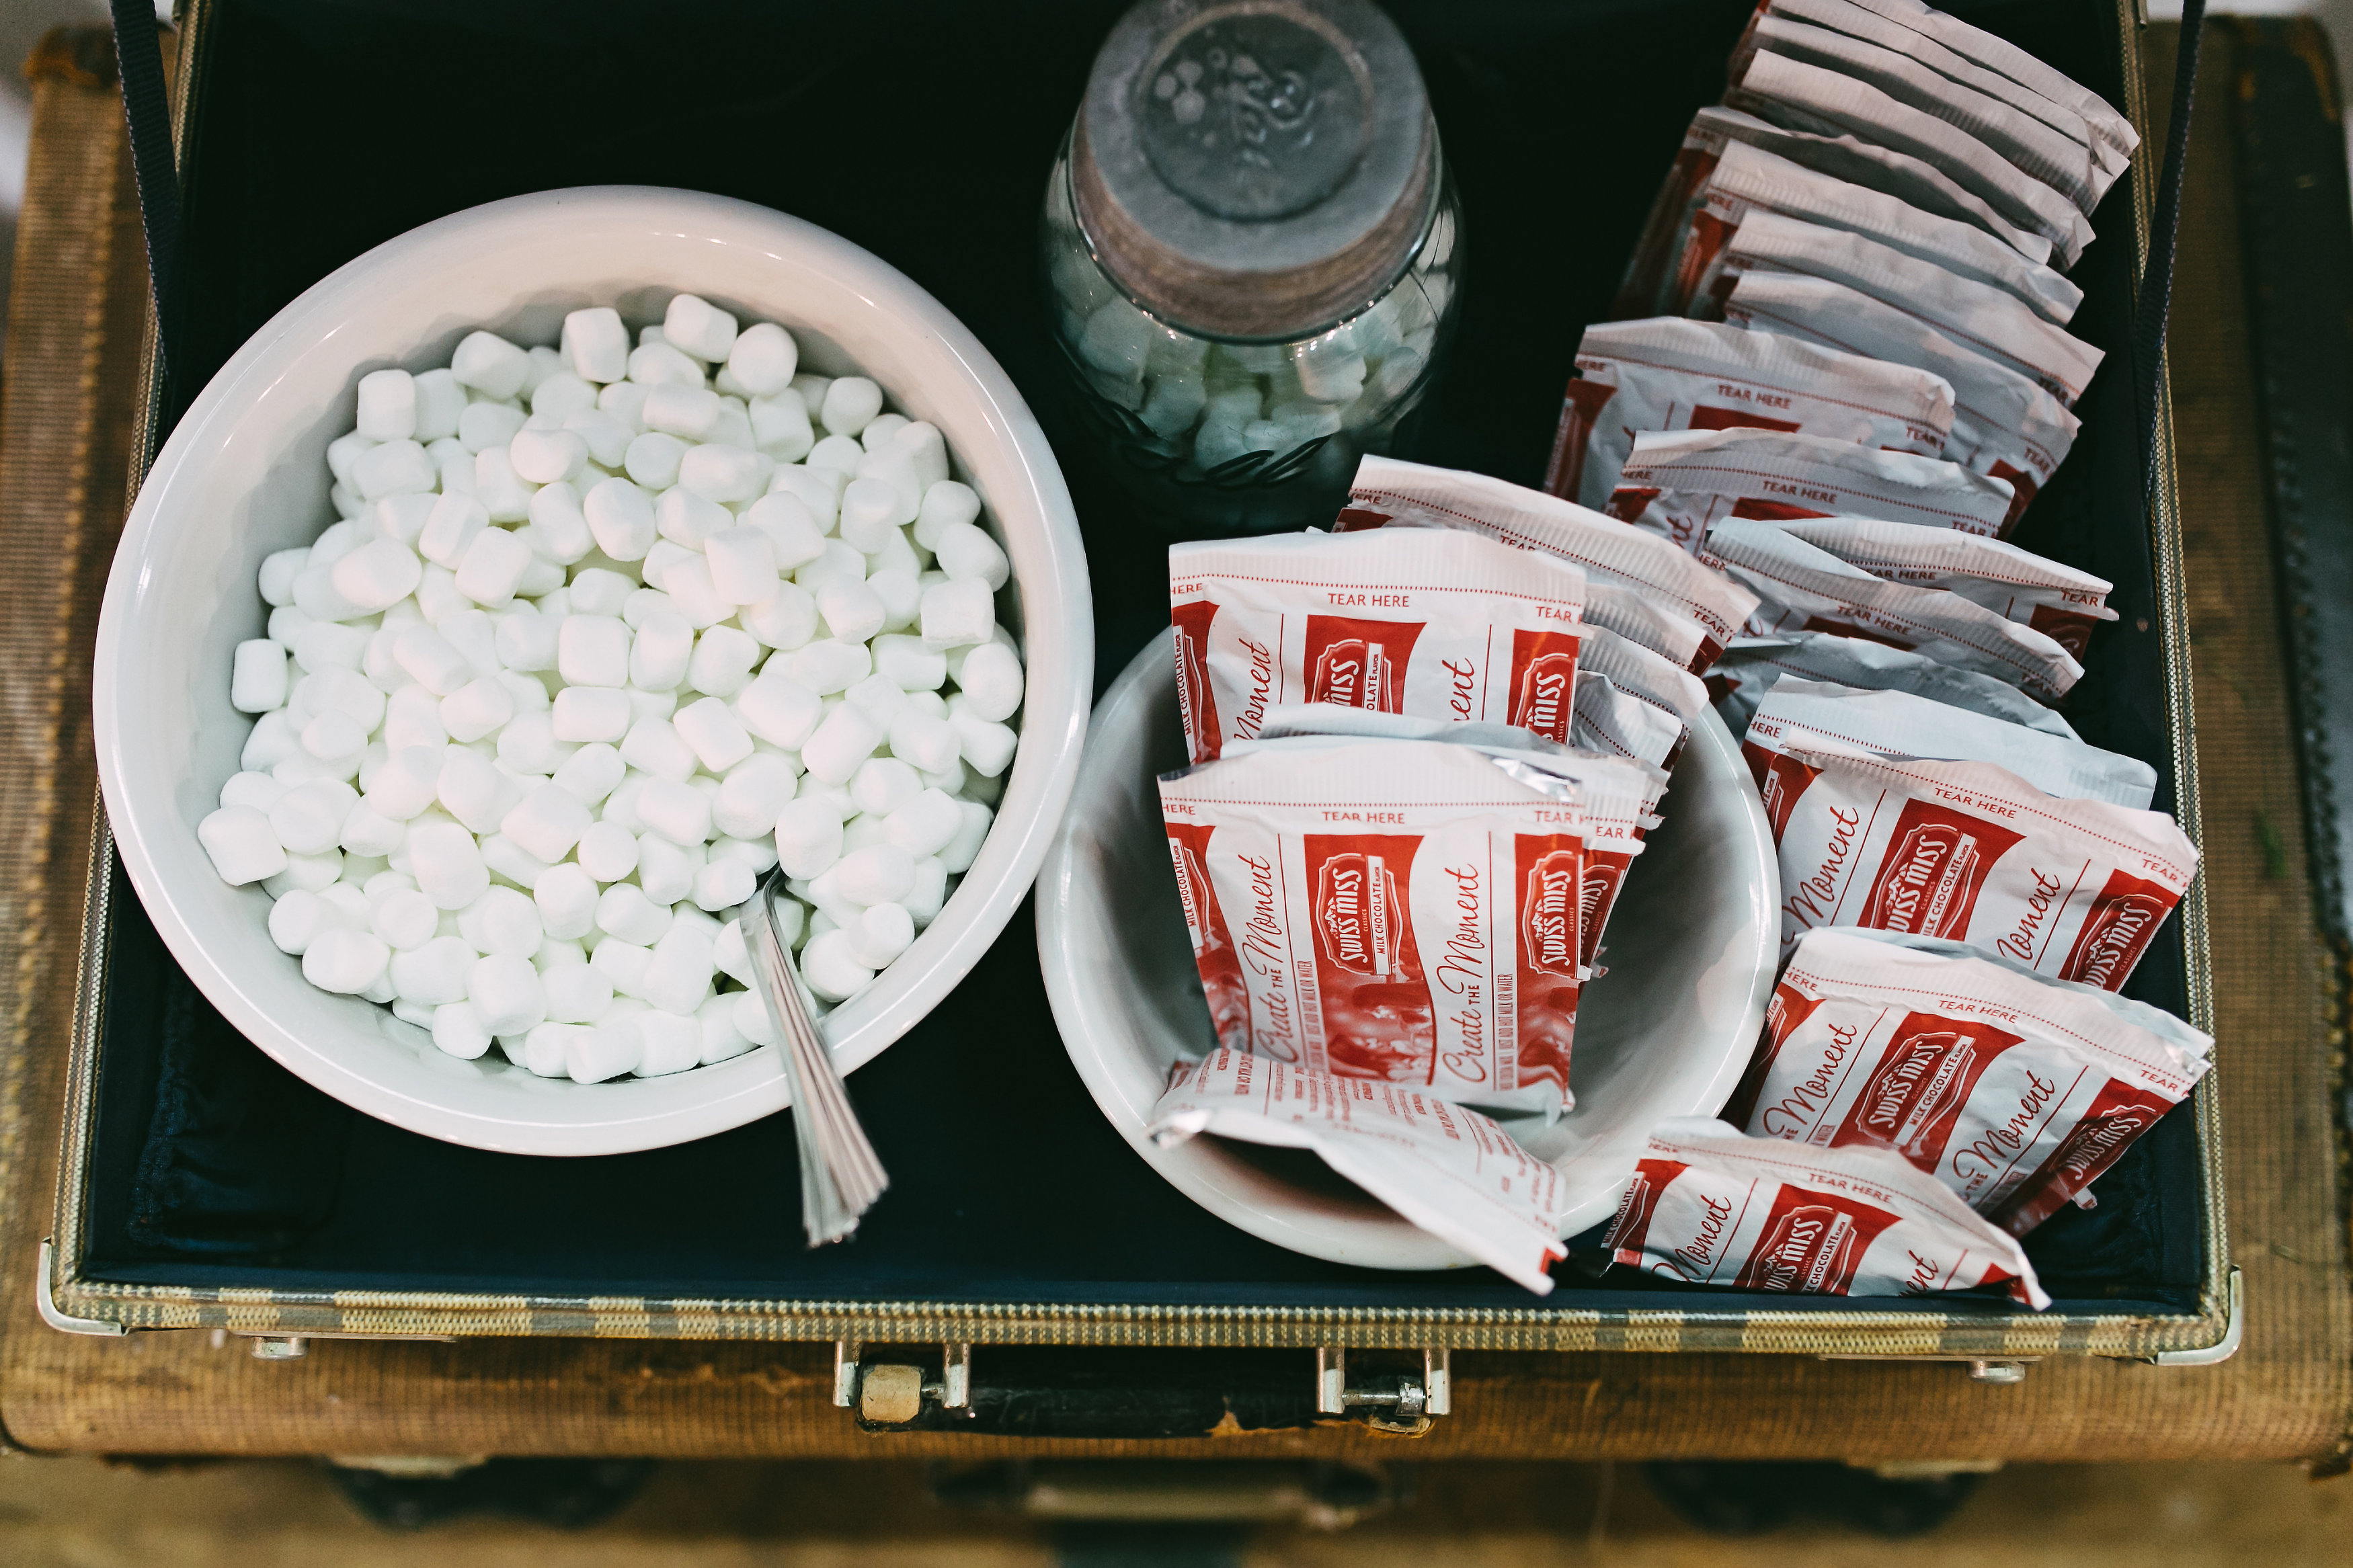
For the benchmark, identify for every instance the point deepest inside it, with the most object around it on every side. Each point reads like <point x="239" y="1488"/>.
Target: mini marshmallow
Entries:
<point x="311" y="873"/>
<point x="673" y="1043"/>
<point x="546" y="457"/>
<point x="376" y="575"/>
<point x="697" y="327"/>
<point x="808" y="838"/>
<point x="590" y="773"/>
<point x="687" y="585"/>
<point x="877" y="874"/>
<point x="504" y="494"/>
<point x="431" y="659"/>
<point x="787" y="619"/>
<point x="257" y="790"/>
<point x="689" y="412"/>
<point x="654" y="746"/>
<point x="507" y="990"/>
<point x="849" y="404"/>
<point x="991" y="681"/>
<point x="607" y="851"/>
<point x="484" y="427"/>
<point x="965" y="552"/>
<point x="509" y="922"/>
<point x="956" y="612"/>
<point x="492" y="567"/>
<point x="711" y="729"/>
<point x="476" y="709"/>
<point x="986" y="746"/>
<point x="596" y="345"/>
<point x="852" y="611"/>
<point x="778" y="708"/>
<point x="258" y="677"/>
<point x="345" y="961"/>
<point x="680" y="975"/>
<point x="555" y="399"/>
<point x="472" y="789"/>
<point x="577" y="994"/>
<point x="751" y="794"/>
<point x="309" y="818"/>
<point x="387" y="406"/>
<point x="929" y="892"/>
<point x="946" y="505"/>
<point x="665" y="870"/>
<point x="882" y="785"/>
<point x="395" y="467"/>
<point x="278" y="570"/>
<point x="367" y="832"/>
<point x="722" y="660"/>
<point x="722" y="473"/>
<point x="743" y="563"/>
<point x="404" y="918"/>
<point x="829" y="665"/>
<point x="653" y="458"/>
<point x="882" y="934"/>
<point x="911" y="665"/>
<point x="870" y="509"/>
<point x="593" y="651"/>
<point x="721" y="885"/>
<point x="621" y="516"/>
<point x="458" y="1030"/>
<point x="842" y="739"/>
<point x="676" y="812"/>
<point x="447" y="865"/>
<point x="297" y="919"/>
<point x="879" y="432"/>
<point x="880" y="695"/>
<point x="409" y="782"/>
<point x="624" y="910"/>
<point x="842" y="453"/>
<point x="966" y="846"/>
<point x="926" y="824"/>
<point x="764" y="358"/>
<point x="559" y="527"/>
<point x="567" y="899"/>
<point x="685" y="519"/>
<point x="547" y="822"/>
<point x="595" y="1056"/>
<point x="490" y="365"/>
<point x="926" y="744"/>
<point x="440" y="400"/>
<point x="830" y="966"/>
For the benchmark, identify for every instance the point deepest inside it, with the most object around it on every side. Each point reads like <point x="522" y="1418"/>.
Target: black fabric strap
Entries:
<point x="2155" y="301"/>
<point x="146" y="104"/>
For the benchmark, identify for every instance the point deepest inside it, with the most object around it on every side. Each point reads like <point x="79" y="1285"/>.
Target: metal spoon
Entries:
<point x="841" y="1176"/>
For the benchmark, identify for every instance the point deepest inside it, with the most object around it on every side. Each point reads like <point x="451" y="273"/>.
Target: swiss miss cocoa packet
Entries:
<point x="1430" y="623"/>
<point x="1709" y="1205"/>
<point x="1971" y="852"/>
<point x="1751" y="666"/>
<point x="2013" y="1090"/>
<point x="1637" y="586"/>
<point x="1400" y="910"/>
<point x="1667" y="373"/>
<point x="2063" y="601"/>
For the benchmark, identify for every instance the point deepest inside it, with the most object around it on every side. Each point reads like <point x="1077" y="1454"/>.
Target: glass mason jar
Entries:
<point x="1251" y="253"/>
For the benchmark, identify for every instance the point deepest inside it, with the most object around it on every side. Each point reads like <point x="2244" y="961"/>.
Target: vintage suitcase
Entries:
<point x="202" y="1187"/>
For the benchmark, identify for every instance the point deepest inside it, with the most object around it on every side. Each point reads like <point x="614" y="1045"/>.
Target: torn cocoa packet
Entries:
<point x="1400" y="910"/>
<point x="1667" y="373"/>
<point x="2012" y="1089"/>
<point x="1678" y="608"/>
<point x="1430" y="623"/>
<point x="1971" y="852"/>
<point x="1709" y="1205"/>
<point x="1447" y="1170"/>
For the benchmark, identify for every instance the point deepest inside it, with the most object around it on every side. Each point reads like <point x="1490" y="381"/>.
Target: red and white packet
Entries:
<point x="1711" y="1206"/>
<point x="1792" y="92"/>
<point x="1751" y="665"/>
<point x="1804" y="587"/>
<point x="1750" y="180"/>
<point x="2060" y="600"/>
<point x="1436" y="624"/>
<point x="1662" y="598"/>
<point x="2005" y="423"/>
<point x="2000" y="55"/>
<point x="1971" y="852"/>
<point x="1401" y="910"/>
<point x="2013" y="1090"/>
<point x="1650" y="271"/>
<point x="1668" y="374"/>
<point x="1617" y="788"/>
<point x="1813" y="715"/>
<point x="1680" y="483"/>
<point x="1983" y="320"/>
<point x="1892" y="63"/>
<point x="1449" y="1169"/>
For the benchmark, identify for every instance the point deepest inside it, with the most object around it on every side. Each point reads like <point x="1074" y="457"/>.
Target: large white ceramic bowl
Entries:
<point x="245" y="474"/>
<point x="1692" y="945"/>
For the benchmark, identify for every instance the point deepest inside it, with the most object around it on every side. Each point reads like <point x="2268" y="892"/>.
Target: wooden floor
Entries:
<point x="83" y="1513"/>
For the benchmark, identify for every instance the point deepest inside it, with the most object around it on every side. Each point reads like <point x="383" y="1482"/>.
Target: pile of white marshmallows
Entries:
<point x="604" y="635"/>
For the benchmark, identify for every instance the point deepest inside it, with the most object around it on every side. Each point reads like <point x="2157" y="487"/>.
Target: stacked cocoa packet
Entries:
<point x="1851" y="376"/>
<point x="1425" y="748"/>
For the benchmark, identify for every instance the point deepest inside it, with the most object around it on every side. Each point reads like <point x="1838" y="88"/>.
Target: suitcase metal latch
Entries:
<point x="893" y="1394"/>
<point x="1385" y="1396"/>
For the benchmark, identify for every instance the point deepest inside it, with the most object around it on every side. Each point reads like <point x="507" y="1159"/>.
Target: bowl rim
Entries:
<point x="1038" y="783"/>
<point x="1230" y="1187"/>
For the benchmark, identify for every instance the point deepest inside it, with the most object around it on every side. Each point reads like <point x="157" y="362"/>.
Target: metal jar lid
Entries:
<point x="1254" y="168"/>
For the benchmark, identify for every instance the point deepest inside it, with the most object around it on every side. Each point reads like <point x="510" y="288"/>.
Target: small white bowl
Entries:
<point x="245" y="474"/>
<point x="1692" y="948"/>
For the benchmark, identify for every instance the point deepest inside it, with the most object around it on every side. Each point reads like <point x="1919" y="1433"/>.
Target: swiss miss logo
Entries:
<point x="2118" y="930"/>
<point x="1936" y="863"/>
<point x="1809" y="1249"/>
<point x="1195" y="705"/>
<point x="1918" y="1087"/>
<point x="1359" y="919"/>
<point x="1544" y="682"/>
<point x="1603" y="874"/>
<point x="1551" y="913"/>
<point x="1192" y="891"/>
<point x="1359" y="663"/>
